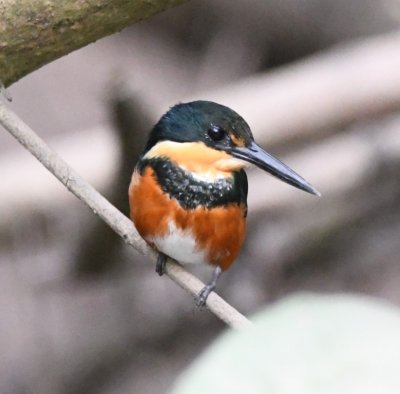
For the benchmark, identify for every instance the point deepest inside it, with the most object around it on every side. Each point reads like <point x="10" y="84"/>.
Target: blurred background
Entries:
<point x="319" y="83"/>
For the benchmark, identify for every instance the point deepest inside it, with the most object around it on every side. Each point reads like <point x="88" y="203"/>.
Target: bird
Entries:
<point x="188" y="192"/>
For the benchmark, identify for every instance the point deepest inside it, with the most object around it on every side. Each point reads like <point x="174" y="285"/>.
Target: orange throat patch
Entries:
<point x="197" y="158"/>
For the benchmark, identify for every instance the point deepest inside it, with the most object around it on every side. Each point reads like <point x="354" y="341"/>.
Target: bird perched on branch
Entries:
<point x="188" y="194"/>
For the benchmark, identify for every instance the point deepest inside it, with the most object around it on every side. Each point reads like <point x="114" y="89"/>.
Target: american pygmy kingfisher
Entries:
<point x="188" y="194"/>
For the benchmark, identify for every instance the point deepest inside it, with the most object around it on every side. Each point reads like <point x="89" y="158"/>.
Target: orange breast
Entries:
<point x="219" y="231"/>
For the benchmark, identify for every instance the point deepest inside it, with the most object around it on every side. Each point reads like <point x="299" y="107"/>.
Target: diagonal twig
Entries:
<point x="111" y="215"/>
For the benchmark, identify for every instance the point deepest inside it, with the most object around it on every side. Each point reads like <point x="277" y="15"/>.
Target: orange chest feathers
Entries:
<point x="212" y="235"/>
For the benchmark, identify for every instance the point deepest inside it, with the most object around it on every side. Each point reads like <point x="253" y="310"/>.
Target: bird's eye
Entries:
<point x="216" y="133"/>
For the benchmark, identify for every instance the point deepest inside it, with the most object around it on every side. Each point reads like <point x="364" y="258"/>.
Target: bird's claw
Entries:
<point x="201" y="298"/>
<point x="160" y="266"/>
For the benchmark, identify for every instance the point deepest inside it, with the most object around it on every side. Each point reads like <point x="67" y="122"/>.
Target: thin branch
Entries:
<point x="107" y="212"/>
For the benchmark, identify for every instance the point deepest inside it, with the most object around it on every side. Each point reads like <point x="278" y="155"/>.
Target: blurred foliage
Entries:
<point x="305" y="344"/>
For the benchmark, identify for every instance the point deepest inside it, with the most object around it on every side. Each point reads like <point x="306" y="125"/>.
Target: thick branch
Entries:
<point x="107" y="212"/>
<point x="33" y="33"/>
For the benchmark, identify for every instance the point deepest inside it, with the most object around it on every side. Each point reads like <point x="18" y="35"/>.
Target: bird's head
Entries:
<point x="208" y="138"/>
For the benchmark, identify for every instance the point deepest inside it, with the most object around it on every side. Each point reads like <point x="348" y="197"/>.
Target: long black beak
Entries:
<point x="256" y="155"/>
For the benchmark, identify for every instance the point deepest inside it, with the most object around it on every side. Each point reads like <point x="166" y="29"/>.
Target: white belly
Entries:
<point x="179" y="245"/>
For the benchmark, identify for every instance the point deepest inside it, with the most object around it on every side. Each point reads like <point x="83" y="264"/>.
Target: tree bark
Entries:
<point x="35" y="32"/>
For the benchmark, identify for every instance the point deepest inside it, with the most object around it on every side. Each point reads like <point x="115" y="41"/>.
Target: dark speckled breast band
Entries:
<point x="191" y="192"/>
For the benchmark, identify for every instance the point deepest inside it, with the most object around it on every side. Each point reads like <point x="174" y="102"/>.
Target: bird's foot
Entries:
<point x="160" y="266"/>
<point x="201" y="298"/>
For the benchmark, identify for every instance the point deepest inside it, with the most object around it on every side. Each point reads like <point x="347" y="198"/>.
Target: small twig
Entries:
<point x="4" y="92"/>
<point x="111" y="215"/>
